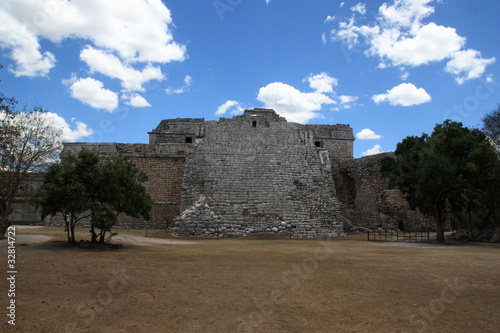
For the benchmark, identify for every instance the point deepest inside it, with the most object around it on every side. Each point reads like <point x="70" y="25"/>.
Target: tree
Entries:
<point x="445" y="172"/>
<point x="28" y="143"/>
<point x="65" y="189"/>
<point x="82" y="186"/>
<point x="7" y="104"/>
<point x="121" y="187"/>
<point x="491" y="126"/>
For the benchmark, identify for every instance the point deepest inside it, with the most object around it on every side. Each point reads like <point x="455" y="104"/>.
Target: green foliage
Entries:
<point x="452" y="171"/>
<point x="123" y="188"/>
<point x="82" y="186"/>
<point x="103" y="218"/>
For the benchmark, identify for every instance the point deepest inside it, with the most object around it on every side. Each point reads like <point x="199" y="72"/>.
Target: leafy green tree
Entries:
<point x="444" y="172"/>
<point x="103" y="218"/>
<point x="81" y="186"/>
<point x="66" y="189"/>
<point x="121" y="187"/>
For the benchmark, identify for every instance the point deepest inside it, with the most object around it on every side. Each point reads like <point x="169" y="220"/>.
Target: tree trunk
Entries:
<point x="5" y="225"/>
<point x="72" y="224"/>
<point x="440" y="218"/>
<point x="4" y="218"/>
<point x="93" y="234"/>
<point x="102" y="236"/>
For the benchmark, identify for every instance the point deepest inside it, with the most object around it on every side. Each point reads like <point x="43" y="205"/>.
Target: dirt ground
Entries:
<point x="160" y="283"/>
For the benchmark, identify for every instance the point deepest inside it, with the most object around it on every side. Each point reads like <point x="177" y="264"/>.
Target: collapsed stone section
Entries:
<point x="368" y="203"/>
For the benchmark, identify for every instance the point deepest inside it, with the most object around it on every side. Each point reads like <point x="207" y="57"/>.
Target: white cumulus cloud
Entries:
<point x="91" y="92"/>
<point x="233" y="107"/>
<point x="400" y="37"/>
<point x="24" y="47"/>
<point x="377" y="149"/>
<point x="360" y="8"/>
<point x="330" y="18"/>
<point x="52" y="122"/>
<point x="367" y="134"/>
<point x="135" y="100"/>
<point x="405" y="94"/>
<point x="346" y="99"/>
<point x="175" y="91"/>
<point x="139" y="33"/>
<point x="467" y="65"/>
<point x="294" y="105"/>
<point x="321" y="83"/>
<point x="80" y="131"/>
<point x="125" y="40"/>
<point x="110" y="65"/>
<point x="68" y="133"/>
<point x="430" y="43"/>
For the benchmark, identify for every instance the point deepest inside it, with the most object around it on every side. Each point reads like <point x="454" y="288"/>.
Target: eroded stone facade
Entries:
<point x="369" y="203"/>
<point x="258" y="173"/>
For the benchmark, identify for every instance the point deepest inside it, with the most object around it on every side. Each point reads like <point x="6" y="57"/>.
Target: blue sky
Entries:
<point x="112" y="70"/>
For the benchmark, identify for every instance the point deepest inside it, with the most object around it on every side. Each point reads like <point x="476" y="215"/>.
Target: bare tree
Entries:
<point x="28" y="143"/>
<point x="491" y="126"/>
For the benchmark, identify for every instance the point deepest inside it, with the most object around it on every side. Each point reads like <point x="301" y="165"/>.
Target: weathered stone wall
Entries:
<point x="252" y="174"/>
<point x="164" y="166"/>
<point x="338" y="139"/>
<point x="164" y="185"/>
<point x="369" y="203"/>
<point x="23" y="210"/>
<point x="270" y="193"/>
<point x="179" y="131"/>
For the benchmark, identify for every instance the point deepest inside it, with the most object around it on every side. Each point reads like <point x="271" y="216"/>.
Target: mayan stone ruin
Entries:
<point x="258" y="173"/>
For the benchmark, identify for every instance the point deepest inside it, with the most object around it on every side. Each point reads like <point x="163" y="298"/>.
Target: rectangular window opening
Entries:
<point x="317" y="144"/>
<point x="189" y="139"/>
<point x="254" y="123"/>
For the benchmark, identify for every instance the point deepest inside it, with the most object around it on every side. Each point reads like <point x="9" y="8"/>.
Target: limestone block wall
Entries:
<point x="250" y="173"/>
<point x="164" y="185"/>
<point x="164" y="165"/>
<point x="368" y="202"/>
<point x="245" y="178"/>
<point x="177" y="130"/>
<point x="256" y="173"/>
<point x="23" y="211"/>
<point x="338" y="139"/>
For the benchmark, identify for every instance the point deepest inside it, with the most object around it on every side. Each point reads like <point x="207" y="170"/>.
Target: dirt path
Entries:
<point x="25" y="235"/>
<point x="249" y="285"/>
<point x="148" y="241"/>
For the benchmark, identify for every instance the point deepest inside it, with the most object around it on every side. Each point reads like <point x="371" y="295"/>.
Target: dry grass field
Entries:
<point x="260" y="284"/>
